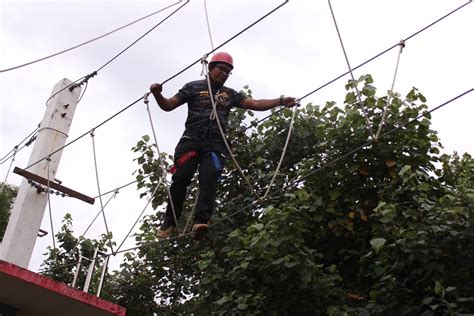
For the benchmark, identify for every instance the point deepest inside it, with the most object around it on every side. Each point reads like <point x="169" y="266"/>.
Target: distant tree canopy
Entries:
<point x="7" y="199"/>
<point x="385" y="229"/>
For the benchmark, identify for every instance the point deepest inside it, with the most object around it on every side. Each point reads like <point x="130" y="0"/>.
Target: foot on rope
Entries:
<point x="200" y="231"/>
<point x="165" y="231"/>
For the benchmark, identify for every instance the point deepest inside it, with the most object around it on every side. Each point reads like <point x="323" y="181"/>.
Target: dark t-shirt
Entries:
<point x="196" y="95"/>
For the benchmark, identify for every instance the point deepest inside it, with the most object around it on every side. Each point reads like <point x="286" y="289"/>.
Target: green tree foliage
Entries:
<point x="382" y="230"/>
<point x="61" y="263"/>
<point x="7" y="199"/>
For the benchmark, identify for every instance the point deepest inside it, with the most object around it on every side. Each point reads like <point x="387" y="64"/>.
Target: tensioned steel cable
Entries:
<point x="89" y="41"/>
<point x="16" y="147"/>
<point x="4" y="184"/>
<point x="367" y="61"/>
<point x="227" y="41"/>
<point x="146" y="33"/>
<point x="292" y="183"/>
<point x="120" y="187"/>
<point x="86" y="78"/>
<point x="178" y="73"/>
<point x="79" y="137"/>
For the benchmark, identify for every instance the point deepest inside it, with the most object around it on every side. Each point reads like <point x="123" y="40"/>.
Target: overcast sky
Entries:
<point x="293" y="51"/>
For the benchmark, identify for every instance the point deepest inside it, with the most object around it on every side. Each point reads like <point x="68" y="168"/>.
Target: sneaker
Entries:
<point x="200" y="231"/>
<point x="165" y="231"/>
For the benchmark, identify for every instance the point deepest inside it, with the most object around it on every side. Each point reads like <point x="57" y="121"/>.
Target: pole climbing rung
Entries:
<point x="53" y="185"/>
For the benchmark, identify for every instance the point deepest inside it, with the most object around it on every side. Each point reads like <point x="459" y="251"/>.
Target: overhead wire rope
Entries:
<point x="4" y="184"/>
<point x="367" y="61"/>
<point x="120" y="187"/>
<point x="109" y="237"/>
<point x="170" y="78"/>
<point x="89" y="41"/>
<point x="16" y="147"/>
<point x="145" y="34"/>
<point x="86" y="133"/>
<point x="227" y="41"/>
<point x="292" y="183"/>
<point x="86" y="78"/>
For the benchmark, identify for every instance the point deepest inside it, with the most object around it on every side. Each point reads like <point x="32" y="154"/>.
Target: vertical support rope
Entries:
<point x="139" y="216"/>
<point x="100" y="195"/>
<point x="163" y="174"/>
<point x="368" y="126"/>
<point x="15" y="149"/>
<point x="49" y="205"/>
<point x="92" y="222"/>
<point x="208" y="26"/>
<point x="190" y="216"/>
<point x="385" y="109"/>
<point x="295" y="110"/>
<point x="216" y="117"/>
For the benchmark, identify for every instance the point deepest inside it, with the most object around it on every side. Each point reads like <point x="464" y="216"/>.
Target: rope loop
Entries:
<point x="402" y="45"/>
<point x="204" y="63"/>
<point x="92" y="132"/>
<point x="145" y="98"/>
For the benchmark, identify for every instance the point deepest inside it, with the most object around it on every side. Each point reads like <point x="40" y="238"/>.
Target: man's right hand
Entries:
<point x="156" y="88"/>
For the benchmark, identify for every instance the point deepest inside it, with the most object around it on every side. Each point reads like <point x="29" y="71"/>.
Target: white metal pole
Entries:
<point x="90" y="272"/>
<point x="27" y="214"/>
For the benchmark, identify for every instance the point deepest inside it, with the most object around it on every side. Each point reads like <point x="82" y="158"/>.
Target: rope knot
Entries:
<point x="145" y="98"/>
<point x="402" y="45"/>
<point x="204" y="63"/>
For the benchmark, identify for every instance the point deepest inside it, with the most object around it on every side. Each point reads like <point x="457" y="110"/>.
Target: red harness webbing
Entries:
<point x="181" y="160"/>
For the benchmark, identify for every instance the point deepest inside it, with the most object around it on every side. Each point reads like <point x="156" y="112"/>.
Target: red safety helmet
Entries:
<point x="222" y="57"/>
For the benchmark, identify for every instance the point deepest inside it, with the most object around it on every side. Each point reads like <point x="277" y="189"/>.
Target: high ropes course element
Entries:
<point x="259" y="199"/>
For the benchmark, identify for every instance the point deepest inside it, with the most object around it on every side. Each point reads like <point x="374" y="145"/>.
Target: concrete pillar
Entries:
<point x="27" y="214"/>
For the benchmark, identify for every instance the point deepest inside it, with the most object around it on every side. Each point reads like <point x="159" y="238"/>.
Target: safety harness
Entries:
<point x="190" y="154"/>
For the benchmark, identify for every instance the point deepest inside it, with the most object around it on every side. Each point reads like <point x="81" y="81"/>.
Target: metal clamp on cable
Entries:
<point x="85" y="80"/>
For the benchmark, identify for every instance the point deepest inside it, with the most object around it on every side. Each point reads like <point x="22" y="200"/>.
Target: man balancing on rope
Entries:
<point x="201" y="145"/>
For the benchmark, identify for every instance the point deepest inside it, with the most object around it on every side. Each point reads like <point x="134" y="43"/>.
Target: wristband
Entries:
<point x="282" y="100"/>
